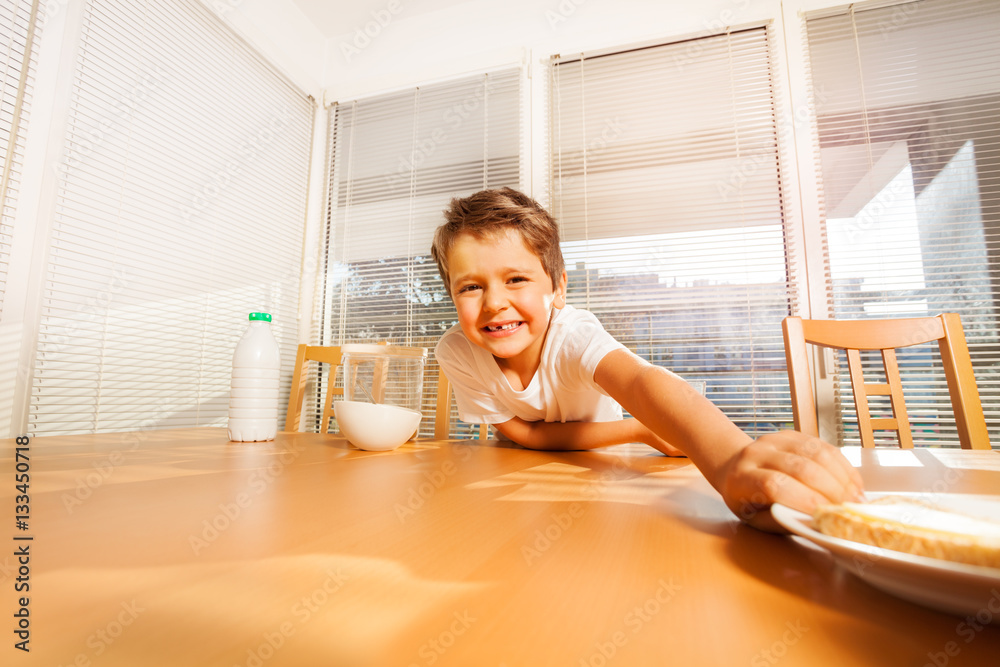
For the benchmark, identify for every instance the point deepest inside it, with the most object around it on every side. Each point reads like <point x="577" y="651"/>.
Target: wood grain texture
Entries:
<point x="181" y="548"/>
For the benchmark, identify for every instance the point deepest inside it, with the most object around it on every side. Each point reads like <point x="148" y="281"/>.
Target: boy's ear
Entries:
<point x="560" y="293"/>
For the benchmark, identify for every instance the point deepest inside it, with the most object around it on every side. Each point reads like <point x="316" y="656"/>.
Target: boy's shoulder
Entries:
<point x="453" y="336"/>
<point x="575" y="332"/>
<point x="571" y="320"/>
<point x="568" y="315"/>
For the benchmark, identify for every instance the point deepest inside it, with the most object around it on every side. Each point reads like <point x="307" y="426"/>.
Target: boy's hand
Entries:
<point x="790" y="468"/>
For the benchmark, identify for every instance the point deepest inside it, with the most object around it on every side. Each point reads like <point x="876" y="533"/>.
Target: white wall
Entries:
<point x="280" y="32"/>
<point x="484" y="33"/>
<point x="386" y="44"/>
<point x="382" y="45"/>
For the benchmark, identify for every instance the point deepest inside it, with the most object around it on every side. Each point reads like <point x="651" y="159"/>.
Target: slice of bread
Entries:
<point x="914" y="527"/>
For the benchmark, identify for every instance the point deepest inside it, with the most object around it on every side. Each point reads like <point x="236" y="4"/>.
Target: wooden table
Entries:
<point x="181" y="548"/>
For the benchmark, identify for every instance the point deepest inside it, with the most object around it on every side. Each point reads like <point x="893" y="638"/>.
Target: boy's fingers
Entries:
<point x="790" y="468"/>
<point x="819" y="465"/>
<point x="794" y="474"/>
<point x="799" y="496"/>
<point x="768" y="487"/>
<point x="833" y="460"/>
<point x="795" y="471"/>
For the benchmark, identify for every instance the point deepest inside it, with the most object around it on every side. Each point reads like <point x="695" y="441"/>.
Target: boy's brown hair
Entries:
<point x="488" y="213"/>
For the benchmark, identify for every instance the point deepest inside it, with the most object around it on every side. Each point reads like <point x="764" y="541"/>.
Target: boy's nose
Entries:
<point x="495" y="301"/>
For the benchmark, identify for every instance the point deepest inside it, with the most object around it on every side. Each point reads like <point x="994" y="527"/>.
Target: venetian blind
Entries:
<point x="180" y="209"/>
<point x="396" y="161"/>
<point x="908" y="110"/>
<point x="666" y="182"/>
<point x="18" y="42"/>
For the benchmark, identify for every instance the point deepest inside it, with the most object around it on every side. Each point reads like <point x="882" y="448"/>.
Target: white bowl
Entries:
<point x="375" y="427"/>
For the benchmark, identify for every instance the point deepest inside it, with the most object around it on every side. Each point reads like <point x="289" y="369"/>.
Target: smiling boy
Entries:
<point x="548" y="376"/>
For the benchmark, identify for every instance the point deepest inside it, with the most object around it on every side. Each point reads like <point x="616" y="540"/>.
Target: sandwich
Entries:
<point x="915" y="527"/>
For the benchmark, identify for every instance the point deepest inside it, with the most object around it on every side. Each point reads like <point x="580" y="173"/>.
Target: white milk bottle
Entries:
<point x="253" y="397"/>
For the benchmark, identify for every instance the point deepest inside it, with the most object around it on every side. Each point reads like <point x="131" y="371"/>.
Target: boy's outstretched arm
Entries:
<point x="787" y="467"/>
<point x="571" y="436"/>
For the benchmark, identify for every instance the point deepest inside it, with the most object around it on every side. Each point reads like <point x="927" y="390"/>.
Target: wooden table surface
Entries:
<point x="181" y="548"/>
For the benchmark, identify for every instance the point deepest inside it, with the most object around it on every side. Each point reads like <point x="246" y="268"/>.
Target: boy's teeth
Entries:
<point x="502" y="327"/>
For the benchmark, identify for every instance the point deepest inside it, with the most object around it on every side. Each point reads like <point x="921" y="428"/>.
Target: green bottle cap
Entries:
<point x="260" y="316"/>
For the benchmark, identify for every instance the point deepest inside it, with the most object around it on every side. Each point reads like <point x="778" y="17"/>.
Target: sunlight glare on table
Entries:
<point x="561" y="482"/>
<point x="965" y="458"/>
<point x="897" y="458"/>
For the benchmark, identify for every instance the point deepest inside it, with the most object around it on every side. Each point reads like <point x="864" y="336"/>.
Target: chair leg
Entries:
<point x="293" y="417"/>
<point x="965" y="400"/>
<point x="896" y="399"/>
<point x="860" y="399"/>
<point x="442" y="415"/>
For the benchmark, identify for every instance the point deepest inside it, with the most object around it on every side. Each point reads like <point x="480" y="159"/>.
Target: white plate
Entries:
<point x="939" y="584"/>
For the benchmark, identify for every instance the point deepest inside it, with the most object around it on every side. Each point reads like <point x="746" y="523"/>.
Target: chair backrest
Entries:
<point x="323" y="354"/>
<point x="885" y="336"/>
<point x="332" y="355"/>
<point x="442" y="416"/>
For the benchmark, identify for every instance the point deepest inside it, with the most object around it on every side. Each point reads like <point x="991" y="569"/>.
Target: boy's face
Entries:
<point x="503" y="297"/>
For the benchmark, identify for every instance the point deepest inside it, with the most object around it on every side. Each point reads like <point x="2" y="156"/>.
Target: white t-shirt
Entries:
<point x="562" y="389"/>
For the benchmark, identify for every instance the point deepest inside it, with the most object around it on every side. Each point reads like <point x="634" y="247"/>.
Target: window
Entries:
<point x="18" y="33"/>
<point x="396" y="161"/>
<point x="180" y="208"/>
<point x="908" y="101"/>
<point x="666" y="181"/>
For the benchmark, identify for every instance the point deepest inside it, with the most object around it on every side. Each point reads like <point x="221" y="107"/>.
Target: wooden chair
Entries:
<point x="885" y="336"/>
<point x="332" y="355"/>
<point x="442" y="415"/>
<point x="323" y="354"/>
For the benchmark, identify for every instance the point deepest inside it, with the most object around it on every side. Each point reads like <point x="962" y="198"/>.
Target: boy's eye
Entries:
<point x="518" y="279"/>
<point x="467" y="288"/>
